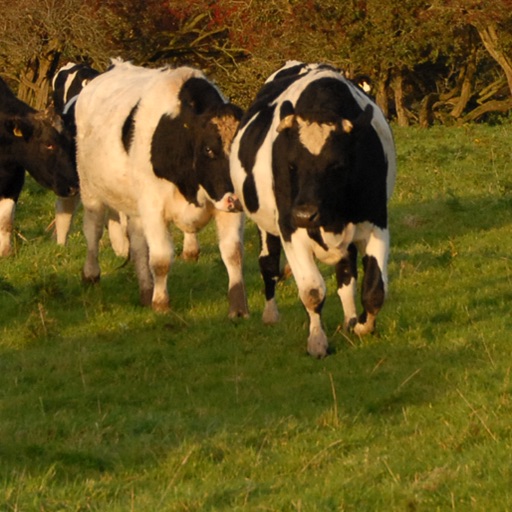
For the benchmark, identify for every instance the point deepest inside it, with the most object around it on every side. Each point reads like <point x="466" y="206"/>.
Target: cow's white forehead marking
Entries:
<point x="314" y="135"/>
<point x="227" y="126"/>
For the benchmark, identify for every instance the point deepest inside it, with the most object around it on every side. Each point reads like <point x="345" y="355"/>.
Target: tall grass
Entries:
<point x="105" y="406"/>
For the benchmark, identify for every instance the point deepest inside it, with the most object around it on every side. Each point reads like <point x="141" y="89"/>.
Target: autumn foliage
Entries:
<point x="442" y="61"/>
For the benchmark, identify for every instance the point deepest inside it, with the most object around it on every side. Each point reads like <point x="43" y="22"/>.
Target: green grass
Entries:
<point x="105" y="406"/>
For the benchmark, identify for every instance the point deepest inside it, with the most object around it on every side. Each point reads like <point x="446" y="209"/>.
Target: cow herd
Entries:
<point x="311" y="162"/>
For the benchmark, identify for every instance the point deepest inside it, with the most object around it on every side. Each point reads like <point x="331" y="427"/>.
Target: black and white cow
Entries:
<point x="314" y="165"/>
<point x="36" y="142"/>
<point x="69" y="80"/>
<point x="154" y="144"/>
<point x="67" y="84"/>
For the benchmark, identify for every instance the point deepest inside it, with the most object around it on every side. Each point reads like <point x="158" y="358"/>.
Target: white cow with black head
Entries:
<point x="154" y="144"/>
<point x="314" y="166"/>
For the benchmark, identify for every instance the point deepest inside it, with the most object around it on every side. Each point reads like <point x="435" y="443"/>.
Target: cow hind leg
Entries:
<point x="230" y="235"/>
<point x="7" y="208"/>
<point x="93" y="230"/>
<point x="374" y="286"/>
<point x="190" y="247"/>
<point x="270" y="252"/>
<point x="139" y="254"/>
<point x="346" y="277"/>
<point x="65" y="208"/>
<point x="118" y="233"/>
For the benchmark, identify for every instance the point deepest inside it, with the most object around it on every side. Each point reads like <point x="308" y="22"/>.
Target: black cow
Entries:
<point x="314" y="166"/>
<point x="36" y="142"/>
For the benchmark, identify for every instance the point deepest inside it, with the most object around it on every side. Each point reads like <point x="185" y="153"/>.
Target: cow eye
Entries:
<point x="208" y="151"/>
<point x="50" y="147"/>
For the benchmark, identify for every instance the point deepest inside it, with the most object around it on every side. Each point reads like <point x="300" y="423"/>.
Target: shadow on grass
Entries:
<point x="127" y="395"/>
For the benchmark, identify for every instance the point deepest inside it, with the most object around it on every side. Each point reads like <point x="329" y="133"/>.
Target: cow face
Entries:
<point x="311" y="160"/>
<point x="215" y="133"/>
<point x="39" y="143"/>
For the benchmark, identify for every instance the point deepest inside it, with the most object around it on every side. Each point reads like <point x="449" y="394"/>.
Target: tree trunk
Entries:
<point x="466" y="86"/>
<point x="490" y="106"/>
<point x="426" y="110"/>
<point x="398" y="89"/>
<point x="381" y="94"/>
<point x="35" y="82"/>
<point x="491" y="41"/>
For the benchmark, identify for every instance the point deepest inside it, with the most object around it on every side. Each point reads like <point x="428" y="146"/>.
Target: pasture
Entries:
<point x="105" y="406"/>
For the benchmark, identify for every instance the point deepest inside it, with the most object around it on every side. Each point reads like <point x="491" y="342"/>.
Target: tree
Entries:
<point x="37" y="33"/>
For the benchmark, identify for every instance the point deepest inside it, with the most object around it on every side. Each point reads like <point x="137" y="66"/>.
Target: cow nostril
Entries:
<point x="306" y="216"/>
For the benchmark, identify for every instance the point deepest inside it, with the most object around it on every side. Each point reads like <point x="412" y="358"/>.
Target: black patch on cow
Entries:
<point x="316" y="235"/>
<point x="346" y="268"/>
<point x="128" y="129"/>
<point x="172" y="154"/>
<point x="253" y="137"/>
<point x="61" y="94"/>
<point x="269" y="264"/>
<point x="250" y="193"/>
<point x="372" y="292"/>
<point x="12" y="177"/>
<point x="199" y="95"/>
<point x="286" y="109"/>
<point x="250" y="143"/>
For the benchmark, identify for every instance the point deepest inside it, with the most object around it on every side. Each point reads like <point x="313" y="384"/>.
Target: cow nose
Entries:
<point x="306" y="216"/>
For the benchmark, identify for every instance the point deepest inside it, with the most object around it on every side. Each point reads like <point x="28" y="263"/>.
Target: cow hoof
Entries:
<point x="160" y="307"/>
<point x="146" y="297"/>
<point x="90" y="279"/>
<point x="190" y="255"/>
<point x="270" y="313"/>
<point x="317" y="345"/>
<point x="239" y="313"/>
<point x="362" y="329"/>
<point x="349" y="325"/>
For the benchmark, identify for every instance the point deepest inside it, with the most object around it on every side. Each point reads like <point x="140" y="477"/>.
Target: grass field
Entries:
<point x="105" y="406"/>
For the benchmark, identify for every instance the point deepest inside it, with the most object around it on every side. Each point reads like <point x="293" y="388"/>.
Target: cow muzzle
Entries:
<point x="229" y="203"/>
<point x="306" y="216"/>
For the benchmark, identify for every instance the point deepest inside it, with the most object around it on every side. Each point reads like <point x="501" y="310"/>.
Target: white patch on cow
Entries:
<point x="67" y="66"/>
<point x="69" y="104"/>
<point x="7" y="207"/>
<point x="227" y="126"/>
<point x="313" y="136"/>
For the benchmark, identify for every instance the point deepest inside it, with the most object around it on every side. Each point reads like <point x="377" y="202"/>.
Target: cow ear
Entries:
<point x="286" y="122"/>
<point x="15" y="126"/>
<point x="346" y="125"/>
<point x="50" y="115"/>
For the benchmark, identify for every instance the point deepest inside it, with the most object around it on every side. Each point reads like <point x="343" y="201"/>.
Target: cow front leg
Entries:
<point x="270" y="253"/>
<point x="93" y="230"/>
<point x="230" y="233"/>
<point x="65" y="208"/>
<point x="374" y="286"/>
<point x="312" y="293"/>
<point x="346" y="278"/>
<point x="161" y="256"/>
<point x="7" y="209"/>
<point x="139" y="255"/>
<point x="190" y="247"/>
<point x="118" y="232"/>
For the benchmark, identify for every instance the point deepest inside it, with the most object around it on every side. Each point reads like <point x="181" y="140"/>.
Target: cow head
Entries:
<point x="214" y="134"/>
<point x="39" y="143"/>
<point x="312" y="158"/>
